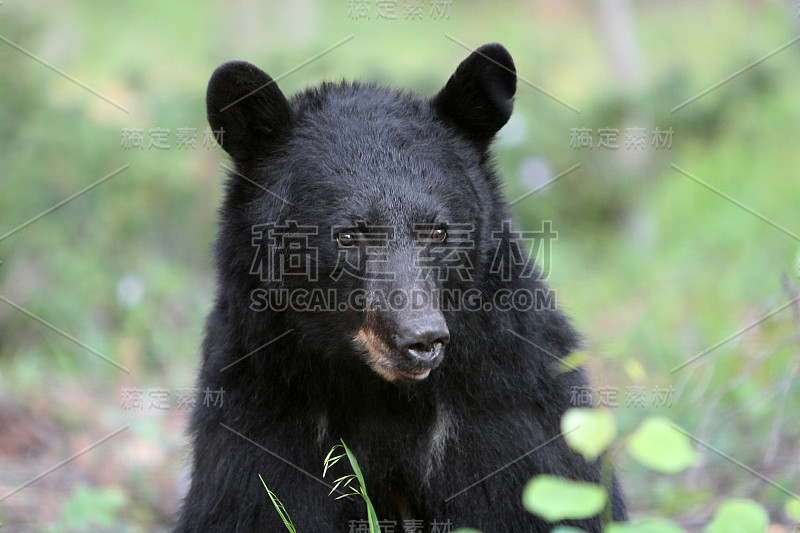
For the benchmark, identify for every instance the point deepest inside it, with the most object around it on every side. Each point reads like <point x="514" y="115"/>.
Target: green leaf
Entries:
<point x="793" y="509"/>
<point x="372" y="516"/>
<point x="330" y="460"/>
<point x="589" y="431"/>
<point x="649" y="525"/>
<point x="739" y="516"/>
<point x="554" y="498"/>
<point x="659" y="446"/>
<point x="572" y="361"/>
<point x="568" y="529"/>
<point x="279" y="507"/>
<point x="634" y="369"/>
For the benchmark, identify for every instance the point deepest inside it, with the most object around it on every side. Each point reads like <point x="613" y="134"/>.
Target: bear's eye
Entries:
<point x="346" y="239"/>
<point x="439" y="235"/>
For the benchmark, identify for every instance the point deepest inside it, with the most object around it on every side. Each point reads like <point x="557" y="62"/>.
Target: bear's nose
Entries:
<point x="423" y="338"/>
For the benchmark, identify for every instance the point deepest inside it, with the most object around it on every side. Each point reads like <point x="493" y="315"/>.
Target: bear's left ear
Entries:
<point x="479" y="96"/>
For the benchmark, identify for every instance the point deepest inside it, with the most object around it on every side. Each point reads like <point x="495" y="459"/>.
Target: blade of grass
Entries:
<point x="287" y="521"/>
<point x="343" y="481"/>
<point x="330" y="461"/>
<point x="372" y="516"/>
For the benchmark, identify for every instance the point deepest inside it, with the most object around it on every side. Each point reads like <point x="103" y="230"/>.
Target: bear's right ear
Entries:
<point x="246" y="109"/>
<point x="479" y="96"/>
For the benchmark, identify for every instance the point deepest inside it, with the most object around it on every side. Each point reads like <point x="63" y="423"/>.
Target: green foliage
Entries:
<point x="739" y="516"/>
<point x="555" y="498"/>
<point x="634" y="370"/>
<point x="347" y="481"/>
<point x="658" y="445"/>
<point x="572" y="361"/>
<point x="793" y="509"/>
<point x="287" y="521"/>
<point x="589" y="431"/>
<point x="650" y="525"/>
<point x="89" y="508"/>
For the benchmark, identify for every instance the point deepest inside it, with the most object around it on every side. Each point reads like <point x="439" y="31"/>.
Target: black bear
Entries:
<point x="372" y="287"/>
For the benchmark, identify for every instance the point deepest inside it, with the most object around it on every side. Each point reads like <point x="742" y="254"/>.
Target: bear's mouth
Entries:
<point x="411" y="367"/>
<point x="418" y="376"/>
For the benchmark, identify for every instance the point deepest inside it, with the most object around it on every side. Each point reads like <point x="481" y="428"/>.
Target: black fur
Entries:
<point x="346" y="154"/>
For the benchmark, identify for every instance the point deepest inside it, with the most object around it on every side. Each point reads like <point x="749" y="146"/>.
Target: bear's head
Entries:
<point x="363" y="213"/>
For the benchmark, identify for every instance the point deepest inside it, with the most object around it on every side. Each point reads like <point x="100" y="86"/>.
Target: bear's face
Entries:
<point x="372" y="199"/>
<point x="389" y="223"/>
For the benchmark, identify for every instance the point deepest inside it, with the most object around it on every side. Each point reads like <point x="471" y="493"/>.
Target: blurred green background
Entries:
<point x="654" y="266"/>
